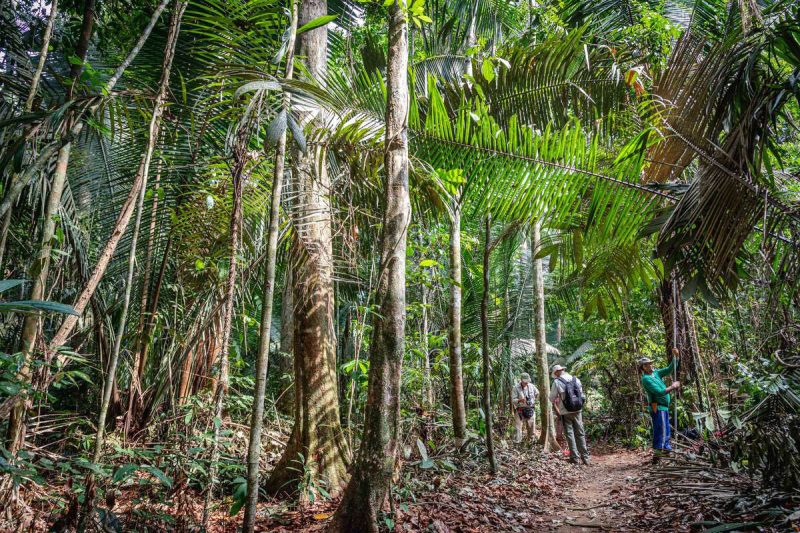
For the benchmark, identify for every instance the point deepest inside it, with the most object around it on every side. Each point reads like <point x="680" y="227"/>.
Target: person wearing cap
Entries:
<point x="524" y="399"/>
<point x="563" y="384"/>
<point x="658" y="400"/>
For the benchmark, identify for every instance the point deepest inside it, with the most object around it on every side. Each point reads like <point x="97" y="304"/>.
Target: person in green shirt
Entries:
<point x="658" y="400"/>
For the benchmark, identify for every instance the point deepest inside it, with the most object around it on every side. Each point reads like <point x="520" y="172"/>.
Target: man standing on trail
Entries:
<point x="524" y="398"/>
<point x="658" y="401"/>
<point x="567" y="397"/>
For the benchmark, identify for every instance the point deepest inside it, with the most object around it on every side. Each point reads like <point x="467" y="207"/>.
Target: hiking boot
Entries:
<point x="586" y="462"/>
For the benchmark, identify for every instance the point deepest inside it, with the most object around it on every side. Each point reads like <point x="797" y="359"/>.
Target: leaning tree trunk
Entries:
<point x="39" y="271"/>
<point x="547" y="438"/>
<point x="124" y="217"/>
<point x="372" y="472"/>
<point x="487" y="401"/>
<point x="135" y="385"/>
<point x="41" y="265"/>
<point x="317" y="435"/>
<point x="262" y="361"/>
<point x="457" y="407"/>
<point x="155" y="123"/>
<point x="122" y="221"/>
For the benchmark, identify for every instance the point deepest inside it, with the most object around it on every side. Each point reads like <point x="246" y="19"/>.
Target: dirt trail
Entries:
<point x="598" y="499"/>
<point x="532" y="492"/>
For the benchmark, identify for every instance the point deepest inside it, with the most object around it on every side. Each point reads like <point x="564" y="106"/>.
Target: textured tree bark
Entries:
<point x="82" y="47"/>
<point x="487" y="360"/>
<point x="457" y="407"/>
<point x="48" y="33"/>
<point x="547" y="437"/>
<point x="262" y="361"/>
<point x="317" y="435"/>
<point x="285" y="360"/>
<point x="155" y="122"/>
<point x="374" y="466"/>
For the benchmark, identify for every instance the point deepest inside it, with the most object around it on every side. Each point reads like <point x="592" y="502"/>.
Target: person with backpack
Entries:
<point x="567" y="396"/>
<point x="524" y="397"/>
<point x="658" y="400"/>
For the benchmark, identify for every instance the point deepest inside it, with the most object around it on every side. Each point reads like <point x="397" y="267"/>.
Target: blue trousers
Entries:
<point x="661" y="430"/>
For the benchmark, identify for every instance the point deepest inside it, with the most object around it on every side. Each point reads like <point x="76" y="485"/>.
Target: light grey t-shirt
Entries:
<point x="557" y="391"/>
<point x="530" y="391"/>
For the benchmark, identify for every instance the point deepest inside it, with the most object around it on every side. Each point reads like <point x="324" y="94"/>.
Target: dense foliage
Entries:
<point x="642" y="155"/>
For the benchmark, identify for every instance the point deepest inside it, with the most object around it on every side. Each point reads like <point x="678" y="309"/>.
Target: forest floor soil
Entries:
<point x="447" y="492"/>
<point x="532" y="491"/>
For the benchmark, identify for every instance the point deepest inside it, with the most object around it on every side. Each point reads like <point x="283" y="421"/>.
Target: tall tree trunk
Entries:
<point x="372" y="472"/>
<point x="457" y="407"/>
<point x="155" y="121"/>
<point x="547" y="438"/>
<point x="317" y="433"/>
<point x="48" y="32"/>
<point x="262" y="362"/>
<point x="487" y="401"/>
<point x="39" y="271"/>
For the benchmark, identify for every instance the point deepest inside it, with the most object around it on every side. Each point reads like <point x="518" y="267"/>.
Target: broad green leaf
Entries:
<point x="316" y="23"/>
<point x="31" y="306"/>
<point x="7" y="284"/>
<point x="487" y="69"/>
<point x="160" y="475"/>
<point x="124" y="472"/>
<point x="423" y="451"/>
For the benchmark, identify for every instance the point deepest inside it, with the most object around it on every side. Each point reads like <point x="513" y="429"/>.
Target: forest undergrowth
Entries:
<point x="437" y="488"/>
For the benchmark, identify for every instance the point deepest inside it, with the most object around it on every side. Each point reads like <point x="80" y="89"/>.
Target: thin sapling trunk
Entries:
<point x="262" y="362"/>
